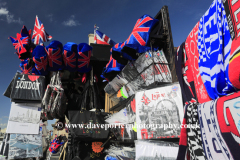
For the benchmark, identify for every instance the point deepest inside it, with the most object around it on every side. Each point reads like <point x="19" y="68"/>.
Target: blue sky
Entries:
<point x="72" y="21"/>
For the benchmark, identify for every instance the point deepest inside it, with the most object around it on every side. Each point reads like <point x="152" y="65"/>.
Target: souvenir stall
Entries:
<point x="137" y="99"/>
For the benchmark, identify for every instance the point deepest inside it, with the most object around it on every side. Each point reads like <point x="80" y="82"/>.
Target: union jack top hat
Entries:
<point x="70" y="56"/>
<point x="40" y="59"/>
<point x="54" y="51"/>
<point x="84" y="56"/>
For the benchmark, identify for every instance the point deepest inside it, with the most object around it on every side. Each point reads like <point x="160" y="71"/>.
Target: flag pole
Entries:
<point x="95" y="27"/>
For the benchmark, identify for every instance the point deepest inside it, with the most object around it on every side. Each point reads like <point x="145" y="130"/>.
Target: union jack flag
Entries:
<point x="100" y="38"/>
<point x="84" y="56"/>
<point x="141" y="31"/>
<point x="39" y="34"/>
<point x="19" y="43"/>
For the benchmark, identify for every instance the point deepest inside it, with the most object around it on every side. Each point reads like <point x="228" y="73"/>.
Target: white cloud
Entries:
<point x="3" y="11"/>
<point x="9" y="17"/>
<point x="50" y="17"/>
<point x="71" y="22"/>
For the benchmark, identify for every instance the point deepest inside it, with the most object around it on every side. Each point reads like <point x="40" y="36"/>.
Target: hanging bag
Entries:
<point x="53" y="108"/>
<point x="57" y="88"/>
<point x="50" y="97"/>
<point x="54" y="99"/>
<point x="61" y="99"/>
<point x="91" y="124"/>
<point x="48" y="91"/>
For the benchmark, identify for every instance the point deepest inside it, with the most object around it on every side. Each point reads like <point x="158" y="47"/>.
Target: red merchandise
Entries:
<point x="193" y="55"/>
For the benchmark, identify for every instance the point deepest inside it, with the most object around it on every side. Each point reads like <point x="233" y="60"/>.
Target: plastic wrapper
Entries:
<point x="120" y="125"/>
<point x="157" y="72"/>
<point x="131" y="111"/>
<point x="24" y="118"/>
<point x="109" y="89"/>
<point x="120" y="152"/>
<point x="25" y="146"/>
<point x="136" y="76"/>
<point x="118" y="82"/>
<point x="161" y="110"/>
<point x="128" y="133"/>
<point x="161" y="63"/>
<point x="129" y="72"/>
<point x="137" y="84"/>
<point x="119" y="117"/>
<point x="124" y="92"/>
<point x="149" y="74"/>
<point x="155" y="150"/>
<point x="115" y="99"/>
<point x="143" y="62"/>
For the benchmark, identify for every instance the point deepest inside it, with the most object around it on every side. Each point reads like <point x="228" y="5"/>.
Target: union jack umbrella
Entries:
<point x="39" y="34"/>
<point x="26" y="68"/>
<point x="70" y="56"/>
<point x="54" y="51"/>
<point x="141" y="31"/>
<point x="84" y="56"/>
<point x="19" y="43"/>
<point x="25" y="32"/>
<point x="40" y="59"/>
<point x="118" y="55"/>
<point x="136" y="40"/>
<point x="22" y="43"/>
<point x="112" y="67"/>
